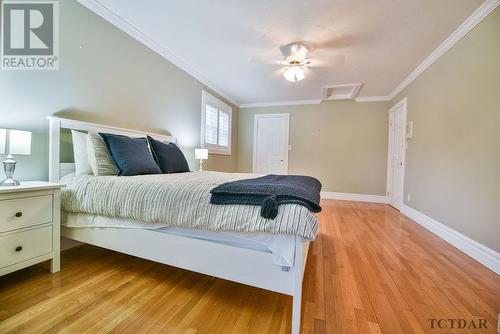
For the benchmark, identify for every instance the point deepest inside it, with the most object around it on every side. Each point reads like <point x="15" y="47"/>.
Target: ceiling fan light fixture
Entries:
<point x="294" y="73"/>
<point x="298" y="53"/>
<point x="295" y="62"/>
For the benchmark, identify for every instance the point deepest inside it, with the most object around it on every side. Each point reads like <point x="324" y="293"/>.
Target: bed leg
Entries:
<point x="296" y="312"/>
<point x="298" y="270"/>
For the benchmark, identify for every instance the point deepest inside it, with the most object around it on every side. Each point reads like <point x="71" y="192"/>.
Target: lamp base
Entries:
<point x="9" y="166"/>
<point x="9" y="183"/>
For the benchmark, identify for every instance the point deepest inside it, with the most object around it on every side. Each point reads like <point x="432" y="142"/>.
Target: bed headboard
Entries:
<point x="58" y="169"/>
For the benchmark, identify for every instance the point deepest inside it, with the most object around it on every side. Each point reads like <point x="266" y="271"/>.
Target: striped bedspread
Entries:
<point x="181" y="200"/>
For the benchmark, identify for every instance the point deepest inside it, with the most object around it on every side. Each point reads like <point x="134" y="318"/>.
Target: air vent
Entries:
<point x="340" y="92"/>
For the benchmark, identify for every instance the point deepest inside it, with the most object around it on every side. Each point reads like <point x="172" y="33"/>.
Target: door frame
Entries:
<point x="403" y="103"/>
<point x="254" y="148"/>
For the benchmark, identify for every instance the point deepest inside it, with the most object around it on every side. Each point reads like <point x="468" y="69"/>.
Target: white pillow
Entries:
<point x="99" y="157"/>
<point x="82" y="165"/>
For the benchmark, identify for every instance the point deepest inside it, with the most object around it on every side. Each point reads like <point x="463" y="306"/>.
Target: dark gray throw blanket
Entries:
<point x="270" y="191"/>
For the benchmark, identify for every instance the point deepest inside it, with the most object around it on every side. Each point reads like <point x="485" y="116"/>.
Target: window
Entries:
<point x="215" y="125"/>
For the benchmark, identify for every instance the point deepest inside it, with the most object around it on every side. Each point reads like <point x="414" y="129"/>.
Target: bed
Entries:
<point x="229" y="242"/>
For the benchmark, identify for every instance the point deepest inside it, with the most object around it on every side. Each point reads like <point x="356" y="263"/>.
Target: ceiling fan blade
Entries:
<point x="337" y="60"/>
<point x="264" y="60"/>
<point x="338" y="42"/>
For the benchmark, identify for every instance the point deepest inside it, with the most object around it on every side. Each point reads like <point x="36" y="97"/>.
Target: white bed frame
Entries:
<point x="233" y="263"/>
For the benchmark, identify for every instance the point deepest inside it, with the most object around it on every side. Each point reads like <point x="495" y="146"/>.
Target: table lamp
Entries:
<point x="201" y="154"/>
<point x="13" y="142"/>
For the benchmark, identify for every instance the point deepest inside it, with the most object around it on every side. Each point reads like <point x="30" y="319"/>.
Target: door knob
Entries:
<point x="19" y="248"/>
<point x="18" y="214"/>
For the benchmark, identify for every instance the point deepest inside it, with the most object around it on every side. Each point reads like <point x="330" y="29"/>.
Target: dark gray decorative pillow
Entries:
<point x="131" y="155"/>
<point x="168" y="156"/>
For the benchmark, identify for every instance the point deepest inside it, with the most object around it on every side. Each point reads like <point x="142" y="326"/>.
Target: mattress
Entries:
<point x="282" y="247"/>
<point x="180" y="200"/>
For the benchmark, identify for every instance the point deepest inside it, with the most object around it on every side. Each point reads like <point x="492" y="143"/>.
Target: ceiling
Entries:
<point x="235" y="45"/>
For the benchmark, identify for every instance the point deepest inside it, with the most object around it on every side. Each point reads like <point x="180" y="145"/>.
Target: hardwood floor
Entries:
<point x="370" y="270"/>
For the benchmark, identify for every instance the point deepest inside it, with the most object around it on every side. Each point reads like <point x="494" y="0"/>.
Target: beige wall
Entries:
<point x="112" y="79"/>
<point x="453" y="159"/>
<point x="342" y="143"/>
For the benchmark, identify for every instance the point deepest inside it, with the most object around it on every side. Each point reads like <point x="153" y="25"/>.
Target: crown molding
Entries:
<point x="116" y="20"/>
<point x="483" y="11"/>
<point x="280" y="103"/>
<point x="310" y="102"/>
<point x="372" y="98"/>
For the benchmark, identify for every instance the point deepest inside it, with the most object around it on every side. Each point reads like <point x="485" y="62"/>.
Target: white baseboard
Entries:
<point x="482" y="254"/>
<point x="354" y="197"/>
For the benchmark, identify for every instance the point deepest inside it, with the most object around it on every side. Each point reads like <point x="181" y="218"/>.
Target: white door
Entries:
<point x="270" y="144"/>
<point x="396" y="157"/>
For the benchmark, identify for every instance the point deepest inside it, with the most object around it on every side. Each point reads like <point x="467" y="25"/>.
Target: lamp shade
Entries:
<point x="201" y="153"/>
<point x="15" y="142"/>
<point x="3" y="140"/>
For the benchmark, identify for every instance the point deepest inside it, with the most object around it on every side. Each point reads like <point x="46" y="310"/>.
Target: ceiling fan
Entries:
<point x="295" y="62"/>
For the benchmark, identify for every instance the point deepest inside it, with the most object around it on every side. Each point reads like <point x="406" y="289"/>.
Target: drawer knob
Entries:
<point x="19" y="248"/>
<point x="18" y="214"/>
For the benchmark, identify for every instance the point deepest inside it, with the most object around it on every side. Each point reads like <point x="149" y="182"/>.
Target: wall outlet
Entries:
<point x="408" y="197"/>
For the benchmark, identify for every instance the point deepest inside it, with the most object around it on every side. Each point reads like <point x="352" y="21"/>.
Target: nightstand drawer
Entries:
<point x="20" y="246"/>
<point x="22" y="212"/>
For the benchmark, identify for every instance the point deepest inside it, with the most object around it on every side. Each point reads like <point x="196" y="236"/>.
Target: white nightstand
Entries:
<point x="29" y="225"/>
